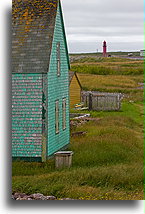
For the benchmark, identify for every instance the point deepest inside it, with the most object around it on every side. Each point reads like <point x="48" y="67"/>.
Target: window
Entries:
<point x="58" y="58"/>
<point x="64" y="113"/>
<point x="57" y="117"/>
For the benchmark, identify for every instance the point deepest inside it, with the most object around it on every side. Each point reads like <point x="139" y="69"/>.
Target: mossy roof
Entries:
<point x="33" y="23"/>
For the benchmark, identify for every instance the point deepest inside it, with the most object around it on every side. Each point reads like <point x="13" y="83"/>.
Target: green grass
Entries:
<point x="108" y="160"/>
<point x="126" y="84"/>
<point x="90" y="58"/>
<point x="106" y="70"/>
<point x="107" y="66"/>
<point x="91" y="183"/>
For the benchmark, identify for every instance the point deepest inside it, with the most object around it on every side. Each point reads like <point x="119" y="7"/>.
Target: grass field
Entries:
<point x="108" y="66"/>
<point x="126" y="84"/>
<point x="107" y="161"/>
<point x="119" y="53"/>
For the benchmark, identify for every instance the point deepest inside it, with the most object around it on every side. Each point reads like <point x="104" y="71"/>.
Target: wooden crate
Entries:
<point x="63" y="159"/>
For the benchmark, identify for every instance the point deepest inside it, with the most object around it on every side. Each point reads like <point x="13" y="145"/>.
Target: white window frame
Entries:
<point x="57" y="116"/>
<point x="64" y="113"/>
<point x="58" y="58"/>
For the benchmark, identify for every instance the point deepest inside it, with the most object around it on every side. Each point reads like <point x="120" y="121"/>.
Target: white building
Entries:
<point x="142" y="52"/>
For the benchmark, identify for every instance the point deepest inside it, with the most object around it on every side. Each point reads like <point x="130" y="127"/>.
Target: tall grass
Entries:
<point x="88" y="59"/>
<point x="118" y="182"/>
<point x="107" y="70"/>
<point x="126" y="84"/>
<point x="107" y="162"/>
<point x="107" y="66"/>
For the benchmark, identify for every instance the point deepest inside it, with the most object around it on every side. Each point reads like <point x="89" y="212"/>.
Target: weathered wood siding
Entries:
<point x="33" y="103"/>
<point x="75" y="92"/>
<point x="101" y="101"/>
<point x="26" y="115"/>
<point x="58" y="88"/>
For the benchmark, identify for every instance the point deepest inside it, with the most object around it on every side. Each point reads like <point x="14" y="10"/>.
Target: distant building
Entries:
<point x="129" y="54"/>
<point x="142" y="52"/>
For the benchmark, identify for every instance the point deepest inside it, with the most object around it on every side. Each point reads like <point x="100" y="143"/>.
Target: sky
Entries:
<point x="89" y="22"/>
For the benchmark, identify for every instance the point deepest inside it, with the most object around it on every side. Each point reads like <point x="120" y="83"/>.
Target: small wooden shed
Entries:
<point x="40" y="80"/>
<point x="75" y="89"/>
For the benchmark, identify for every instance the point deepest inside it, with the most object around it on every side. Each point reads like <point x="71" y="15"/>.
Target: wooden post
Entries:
<point x="63" y="159"/>
<point x="90" y="101"/>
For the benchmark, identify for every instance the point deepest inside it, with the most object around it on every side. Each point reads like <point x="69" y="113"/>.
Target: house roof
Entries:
<point x="33" y="23"/>
<point x="71" y="74"/>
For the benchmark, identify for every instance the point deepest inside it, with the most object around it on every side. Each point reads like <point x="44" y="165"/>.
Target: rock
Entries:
<point x="38" y="196"/>
<point x="24" y="198"/>
<point x="19" y="198"/>
<point x="19" y="195"/>
<point x="50" y="198"/>
<point x="30" y="199"/>
<point x="67" y="199"/>
<point x="13" y="197"/>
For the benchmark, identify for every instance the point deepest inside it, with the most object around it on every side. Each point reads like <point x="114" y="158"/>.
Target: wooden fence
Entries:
<point x="101" y="101"/>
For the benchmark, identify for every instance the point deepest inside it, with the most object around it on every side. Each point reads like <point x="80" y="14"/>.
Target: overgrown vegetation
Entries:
<point x="107" y="66"/>
<point x="107" y="161"/>
<point x="129" y="85"/>
<point x="108" y="70"/>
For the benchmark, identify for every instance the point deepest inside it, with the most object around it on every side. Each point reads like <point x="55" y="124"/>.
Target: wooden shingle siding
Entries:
<point x="40" y="65"/>
<point x="26" y="115"/>
<point x="58" y="88"/>
<point x="75" y="92"/>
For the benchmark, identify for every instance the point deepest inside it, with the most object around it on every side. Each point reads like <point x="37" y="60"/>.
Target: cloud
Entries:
<point x="92" y="21"/>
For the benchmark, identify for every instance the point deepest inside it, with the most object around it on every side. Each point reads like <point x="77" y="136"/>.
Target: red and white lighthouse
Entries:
<point x="104" y="49"/>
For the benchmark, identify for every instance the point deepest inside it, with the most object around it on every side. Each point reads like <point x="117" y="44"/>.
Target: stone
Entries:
<point x="67" y="199"/>
<point x="38" y="196"/>
<point x="24" y="198"/>
<point x="19" y="195"/>
<point x="35" y="196"/>
<point x="12" y="197"/>
<point x="50" y="198"/>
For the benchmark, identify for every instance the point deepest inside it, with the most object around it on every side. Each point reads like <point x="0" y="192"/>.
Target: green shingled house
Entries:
<point x="40" y="80"/>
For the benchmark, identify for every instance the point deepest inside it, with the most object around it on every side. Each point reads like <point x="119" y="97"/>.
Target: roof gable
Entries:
<point x="33" y="23"/>
<point x="71" y="75"/>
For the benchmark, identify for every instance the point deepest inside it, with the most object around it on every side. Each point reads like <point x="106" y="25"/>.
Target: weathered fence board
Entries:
<point x="101" y="101"/>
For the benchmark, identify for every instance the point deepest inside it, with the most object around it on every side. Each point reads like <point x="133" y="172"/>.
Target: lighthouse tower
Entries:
<point x="104" y="49"/>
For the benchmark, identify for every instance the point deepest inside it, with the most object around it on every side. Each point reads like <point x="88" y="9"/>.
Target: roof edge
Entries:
<point x="75" y="74"/>
<point x="63" y="28"/>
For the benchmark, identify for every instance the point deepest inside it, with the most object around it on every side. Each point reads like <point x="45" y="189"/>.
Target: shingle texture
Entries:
<point x="26" y="115"/>
<point x="33" y="24"/>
